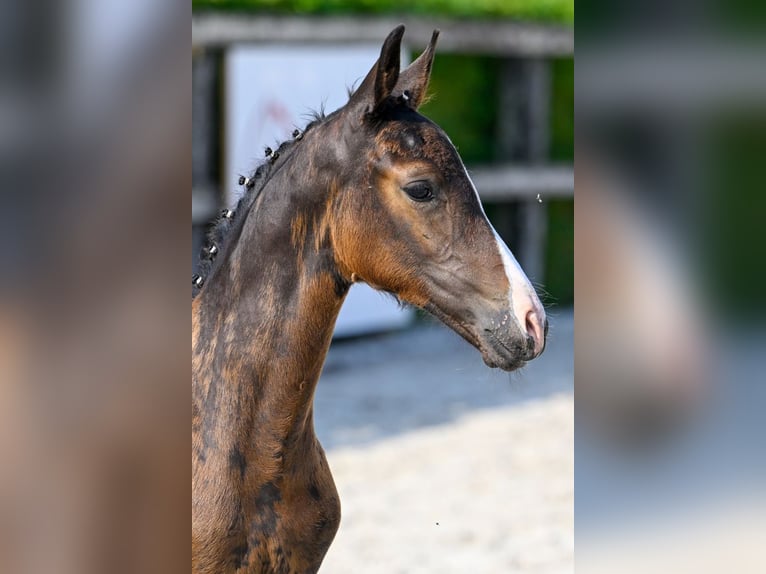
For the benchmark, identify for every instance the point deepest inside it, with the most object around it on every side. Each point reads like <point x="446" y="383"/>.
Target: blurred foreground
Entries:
<point x="669" y="276"/>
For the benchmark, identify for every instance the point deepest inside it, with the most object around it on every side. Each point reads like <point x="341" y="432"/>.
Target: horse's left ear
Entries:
<point x="414" y="80"/>
<point x="379" y="83"/>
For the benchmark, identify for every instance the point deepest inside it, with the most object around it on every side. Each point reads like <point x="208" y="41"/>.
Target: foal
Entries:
<point x="375" y="192"/>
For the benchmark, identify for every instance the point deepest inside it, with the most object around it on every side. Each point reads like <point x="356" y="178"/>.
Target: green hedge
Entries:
<point x="542" y="10"/>
<point x="562" y="110"/>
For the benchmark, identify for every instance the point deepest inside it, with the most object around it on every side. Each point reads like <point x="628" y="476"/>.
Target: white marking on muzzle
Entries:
<point x="521" y="295"/>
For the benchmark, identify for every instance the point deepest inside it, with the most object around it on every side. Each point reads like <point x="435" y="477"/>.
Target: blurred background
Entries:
<point x="441" y="464"/>
<point x="669" y="275"/>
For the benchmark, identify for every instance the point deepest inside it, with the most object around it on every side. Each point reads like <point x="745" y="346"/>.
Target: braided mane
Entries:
<point x="227" y="228"/>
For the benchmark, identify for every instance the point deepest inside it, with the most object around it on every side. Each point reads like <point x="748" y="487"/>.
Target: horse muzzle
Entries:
<point x="498" y="334"/>
<point x="505" y="344"/>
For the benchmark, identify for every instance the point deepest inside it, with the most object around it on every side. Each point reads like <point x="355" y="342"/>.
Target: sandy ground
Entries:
<point x="444" y="465"/>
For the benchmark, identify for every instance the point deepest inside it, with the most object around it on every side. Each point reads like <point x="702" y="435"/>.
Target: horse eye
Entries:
<point x="419" y="191"/>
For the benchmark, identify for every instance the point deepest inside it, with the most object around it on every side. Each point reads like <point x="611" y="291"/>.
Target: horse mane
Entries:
<point x="226" y="229"/>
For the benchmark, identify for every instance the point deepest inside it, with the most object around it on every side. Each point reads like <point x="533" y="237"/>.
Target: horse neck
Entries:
<point x="263" y="324"/>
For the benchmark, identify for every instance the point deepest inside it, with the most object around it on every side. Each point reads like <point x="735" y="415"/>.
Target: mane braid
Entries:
<point x="225" y="232"/>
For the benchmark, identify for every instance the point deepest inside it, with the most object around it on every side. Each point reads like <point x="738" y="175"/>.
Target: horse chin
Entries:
<point x="495" y="354"/>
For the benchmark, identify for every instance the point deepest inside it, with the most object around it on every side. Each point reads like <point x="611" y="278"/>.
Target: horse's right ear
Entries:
<point x="381" y="79"/>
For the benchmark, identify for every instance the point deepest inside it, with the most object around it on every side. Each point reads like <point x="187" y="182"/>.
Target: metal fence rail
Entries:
<point x="492" y="37"/>
<point x="520" y="182"/>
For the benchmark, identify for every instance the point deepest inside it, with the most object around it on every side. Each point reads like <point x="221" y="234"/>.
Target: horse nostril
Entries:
<point x="536" y="331"/>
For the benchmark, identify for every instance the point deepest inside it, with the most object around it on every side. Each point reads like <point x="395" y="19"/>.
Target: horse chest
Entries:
<point x="275" y="527"/>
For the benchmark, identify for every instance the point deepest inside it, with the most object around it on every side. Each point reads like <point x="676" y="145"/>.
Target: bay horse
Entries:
<point x="373" y="192"/>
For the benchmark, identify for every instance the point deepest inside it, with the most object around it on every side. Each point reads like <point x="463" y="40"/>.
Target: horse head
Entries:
<point x="408" y="220"/>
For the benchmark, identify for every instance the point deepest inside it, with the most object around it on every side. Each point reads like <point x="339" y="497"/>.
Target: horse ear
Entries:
<point x="414" y="80"/>
<point x="381" y="79"/>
